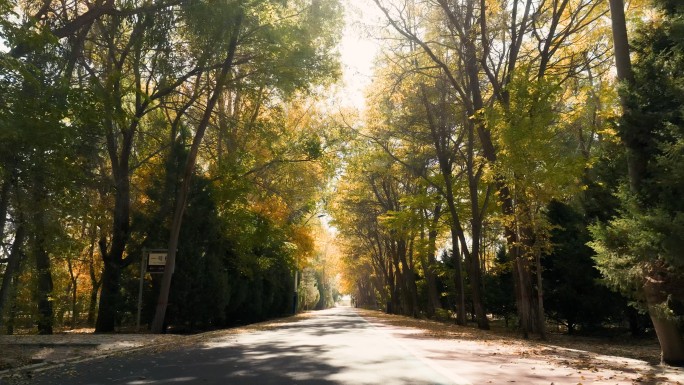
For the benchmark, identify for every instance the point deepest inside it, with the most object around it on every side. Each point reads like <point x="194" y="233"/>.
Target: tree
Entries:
<point x="479" y="58"/>
<point x="637" y="251"/>
<point x="307" y="51"/>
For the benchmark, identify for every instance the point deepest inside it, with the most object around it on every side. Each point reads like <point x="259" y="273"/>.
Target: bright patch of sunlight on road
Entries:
<point x="165" y="381"/>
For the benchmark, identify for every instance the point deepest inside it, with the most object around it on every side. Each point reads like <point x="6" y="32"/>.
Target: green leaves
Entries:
<point x="537" y="153"/>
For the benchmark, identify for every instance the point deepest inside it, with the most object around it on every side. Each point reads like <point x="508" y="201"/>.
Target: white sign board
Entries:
<point x="156" y="261"/>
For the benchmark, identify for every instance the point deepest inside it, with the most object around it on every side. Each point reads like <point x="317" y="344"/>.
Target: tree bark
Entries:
<point x="73" y="293"/>
<point x="95" y="288"/>
<point x="4" y="203"/>
<point x="113" y="259"/>
<point x="430" y="261"/>
<point x="409" y="278"/>
<point x="657" y="288"/>
<point x="42" y="258"/>
<point x="637" y="159"/>
<point x="109" y="298"/>
<point x="12" y="270"/>
<point x="475" y="273"/>
<point x="623" y="63"/>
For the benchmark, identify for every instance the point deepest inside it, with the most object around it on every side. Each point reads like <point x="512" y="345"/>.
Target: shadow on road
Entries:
<point x="332" y="347"/>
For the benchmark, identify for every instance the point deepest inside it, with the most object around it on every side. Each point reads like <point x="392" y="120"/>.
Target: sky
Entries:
<point x="358" y="50"/>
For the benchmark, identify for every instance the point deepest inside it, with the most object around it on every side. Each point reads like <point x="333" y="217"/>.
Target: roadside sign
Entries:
<point x="156" y="261"/>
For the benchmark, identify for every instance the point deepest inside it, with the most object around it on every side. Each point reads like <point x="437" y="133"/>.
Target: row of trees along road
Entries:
<point x="127" y="125"/>
<point x="501" y="168"/>
<point x="498" y="133"/>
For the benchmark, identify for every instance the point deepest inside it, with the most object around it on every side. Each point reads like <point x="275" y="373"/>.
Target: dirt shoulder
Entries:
<point x="646" y="349"/>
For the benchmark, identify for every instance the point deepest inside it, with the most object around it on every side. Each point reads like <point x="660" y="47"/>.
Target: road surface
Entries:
<point x="337" y="346"/>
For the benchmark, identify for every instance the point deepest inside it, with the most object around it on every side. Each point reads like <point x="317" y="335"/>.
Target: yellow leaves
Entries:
<point x="610" y="134"/>
<point x="272" y="207"/>
<point x="302" y="238"/>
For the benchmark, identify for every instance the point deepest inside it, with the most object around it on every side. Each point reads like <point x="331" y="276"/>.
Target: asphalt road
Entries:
<point x="334" y="346"/>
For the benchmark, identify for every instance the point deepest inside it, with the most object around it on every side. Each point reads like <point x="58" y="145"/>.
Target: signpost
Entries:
<point x="153" y="262"/>
<point x="156" y="261"/>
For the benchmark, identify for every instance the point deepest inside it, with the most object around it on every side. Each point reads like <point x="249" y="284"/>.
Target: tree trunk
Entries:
<point x="670" y="338"/>
<point x="391" y="286"/>
<point x="113" y="259"/>
<point x="623" y="64"/>
<point x="92" y="304"/>
<point x="541" y="318"/>
<point x="475" y="273"/>
<point x="12" y="316"/>
<point x="657" y="289"/>
<point x="637" y="158"/>
<point x="522" y="296"/>
<point x="476" y="277"/>
<point x="45" y="286"/>
<point x="42" y="258"/>
<point x="409" y="278"/>
<point x="458" y="279"/>
<point x="4" y="203"/>
<point x="399" y="295"/>
<point x="95" y="288"/>
<point x="430" y="274"/>
<point x="109" y="298"/>
<point x="73" y="293"/>
<point x="12" y="270"/>
<point x="430" y="261"/>
<point x="455" y="227"/>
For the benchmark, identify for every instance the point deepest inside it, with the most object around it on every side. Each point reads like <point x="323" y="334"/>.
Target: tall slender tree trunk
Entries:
<point x="476" y="277"/>
<point x="4" y="202"/>
<point x="458" y="278"/>
<point x="390" y="306"/>
<point x="429" y="261"/>
<point x="475" y="273"/>
<point x="409" y="277"/>
<point x="92" y="304"/>
<point x="12" y="316"/>
<point x="73" y="294"/>
<point x="42" y="258"/>
<point x="95" y="282"/>
<point x="398" y="297"/>
<point x="12" y="269"/>
<point x="430" y="273"/>
<point x="455" y="227"/>
<point x="541" y="319"/>
<point x="637" y="158"/>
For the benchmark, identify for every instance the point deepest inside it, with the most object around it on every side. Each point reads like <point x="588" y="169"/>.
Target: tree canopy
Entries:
<point x="516" y="161"/>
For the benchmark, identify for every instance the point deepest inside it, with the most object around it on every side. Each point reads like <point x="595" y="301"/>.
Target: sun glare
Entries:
<point x="358" y="50"/>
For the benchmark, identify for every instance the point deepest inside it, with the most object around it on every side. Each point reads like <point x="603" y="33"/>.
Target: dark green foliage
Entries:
<point x="499" y="290"/>
<point x="217" y="283"/>
<point x="573" y="294"/>
<point x="649" y="228"/>
<point x="200" y="288"/>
